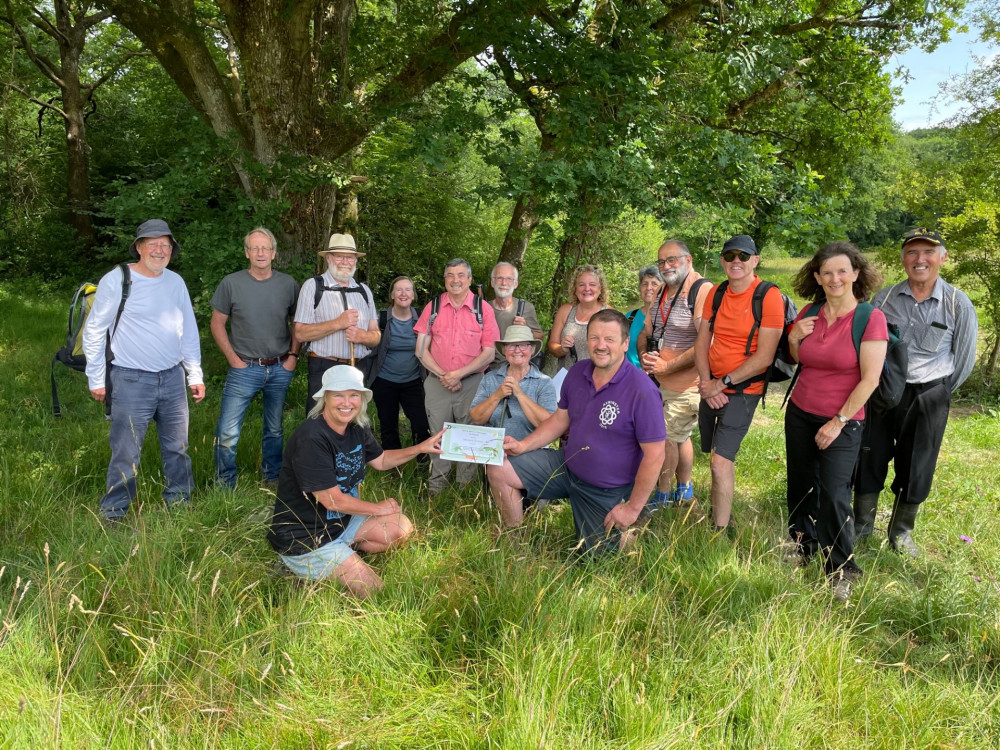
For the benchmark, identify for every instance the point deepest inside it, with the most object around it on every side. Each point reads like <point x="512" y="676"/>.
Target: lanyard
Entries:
<point x="663" y="316"/>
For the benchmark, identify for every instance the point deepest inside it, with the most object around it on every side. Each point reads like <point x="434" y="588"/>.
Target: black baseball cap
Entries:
<point x="922" y="233"/>
<point x="742" y="242"/>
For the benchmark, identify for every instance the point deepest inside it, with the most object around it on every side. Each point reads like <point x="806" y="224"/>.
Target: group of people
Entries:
<point x="694" y="354"/>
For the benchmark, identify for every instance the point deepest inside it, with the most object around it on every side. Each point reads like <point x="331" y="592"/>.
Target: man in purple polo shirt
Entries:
<point x="611" y="460"/>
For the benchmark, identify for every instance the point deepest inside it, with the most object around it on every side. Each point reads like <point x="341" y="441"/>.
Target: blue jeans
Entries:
<point x="139" y="397"/>
<point x="241" y="386"/>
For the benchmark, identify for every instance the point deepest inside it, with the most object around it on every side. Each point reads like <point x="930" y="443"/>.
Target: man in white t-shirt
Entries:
<point x="154" y="344"/>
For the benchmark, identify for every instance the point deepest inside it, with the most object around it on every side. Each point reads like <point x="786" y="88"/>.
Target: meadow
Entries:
<point x="178" y="631"/>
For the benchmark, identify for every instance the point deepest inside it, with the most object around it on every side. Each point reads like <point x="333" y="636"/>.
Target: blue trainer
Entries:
<point x="683" y="494"/>
<point x="660" y="500"/>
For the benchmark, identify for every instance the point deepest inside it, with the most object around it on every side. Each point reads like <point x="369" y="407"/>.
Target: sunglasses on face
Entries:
<point x="730" y="255"/>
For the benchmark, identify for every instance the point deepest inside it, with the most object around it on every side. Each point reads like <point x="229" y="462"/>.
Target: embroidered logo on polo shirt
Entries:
<point x="609" y="413"/>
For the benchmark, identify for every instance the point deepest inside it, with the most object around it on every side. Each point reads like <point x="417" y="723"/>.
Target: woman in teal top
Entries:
<point x="650" y="283"/>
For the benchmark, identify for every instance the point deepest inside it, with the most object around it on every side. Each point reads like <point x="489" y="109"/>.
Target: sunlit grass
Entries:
<point x="177" y="632"/>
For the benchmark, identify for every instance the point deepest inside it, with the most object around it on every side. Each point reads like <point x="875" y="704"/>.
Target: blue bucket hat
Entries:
<point x="154" y="228"/>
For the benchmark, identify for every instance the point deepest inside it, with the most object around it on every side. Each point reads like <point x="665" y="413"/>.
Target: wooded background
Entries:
<point x="546" y="133"/>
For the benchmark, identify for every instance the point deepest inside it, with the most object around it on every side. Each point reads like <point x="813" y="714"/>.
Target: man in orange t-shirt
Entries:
<point x="732" y="382"/>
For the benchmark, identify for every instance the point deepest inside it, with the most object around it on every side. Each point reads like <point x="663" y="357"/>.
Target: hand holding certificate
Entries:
<point x="472" y="444"/>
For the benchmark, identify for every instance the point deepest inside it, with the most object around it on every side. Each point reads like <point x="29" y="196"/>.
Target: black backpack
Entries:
<point x="321" y="287"/>
<point x="71" y="353"/>
<point x="892" y="381"/>
<point x="783" y="366"/>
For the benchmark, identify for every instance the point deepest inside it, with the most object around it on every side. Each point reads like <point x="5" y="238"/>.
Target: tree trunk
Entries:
<point x="78" y="171"/>
<point x="523" y="222"/>
<point x="304" y="112"/>
<point x="576" y="248"/>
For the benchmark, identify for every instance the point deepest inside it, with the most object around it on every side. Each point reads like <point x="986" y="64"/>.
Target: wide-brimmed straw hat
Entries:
<point x="341" y="243"/>
<point x="517" y="335"/>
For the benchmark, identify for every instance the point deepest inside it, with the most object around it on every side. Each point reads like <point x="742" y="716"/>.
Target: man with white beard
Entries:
<point x="511" y="310"/>
<point x="339" y="318"/>
<point x="666" y="351"/>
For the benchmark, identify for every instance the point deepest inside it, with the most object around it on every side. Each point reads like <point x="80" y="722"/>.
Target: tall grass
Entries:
<point x="177" y="632"/>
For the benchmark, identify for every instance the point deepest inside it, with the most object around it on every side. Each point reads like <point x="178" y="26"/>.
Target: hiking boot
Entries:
<point x="113" y="522"/>
<point x="901" y="527"/>
<point x="841" y="589"/>
<point x="792" y="554"/>
<point x="865" y="506"/>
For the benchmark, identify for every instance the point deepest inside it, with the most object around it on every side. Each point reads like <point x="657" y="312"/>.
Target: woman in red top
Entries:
<point x="823" y="422"/>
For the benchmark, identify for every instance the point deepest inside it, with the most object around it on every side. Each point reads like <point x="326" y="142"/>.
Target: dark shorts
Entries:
<point x="723" y="430"/>
<point x="545" y="477"/>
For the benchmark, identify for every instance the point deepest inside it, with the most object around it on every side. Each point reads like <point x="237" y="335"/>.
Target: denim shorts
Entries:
<point x="323" y="561"/>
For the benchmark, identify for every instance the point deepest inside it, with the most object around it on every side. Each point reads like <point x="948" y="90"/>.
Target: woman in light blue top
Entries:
<point x="398" y="378"/>
<point x="515" y="396"/>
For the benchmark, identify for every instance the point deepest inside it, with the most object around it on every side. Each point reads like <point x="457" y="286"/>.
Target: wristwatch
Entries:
<point x="727" y="381"/>
<point x="843" y="419"/>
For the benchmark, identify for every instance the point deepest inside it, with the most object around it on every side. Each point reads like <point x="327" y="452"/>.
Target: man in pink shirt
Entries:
<point x="455" y="348"/>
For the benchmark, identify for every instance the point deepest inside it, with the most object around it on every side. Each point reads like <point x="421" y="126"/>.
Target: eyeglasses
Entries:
<point x="259" y="249"/>
<point x="730" y="255"/>
<point x="519" y="345"/>
<point x="504" y="279"/>
<point x="673" y="260"/>
<point x="156" y="245"/>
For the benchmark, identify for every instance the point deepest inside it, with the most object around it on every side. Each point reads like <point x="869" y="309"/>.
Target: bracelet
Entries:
<point x="293" y="354"/>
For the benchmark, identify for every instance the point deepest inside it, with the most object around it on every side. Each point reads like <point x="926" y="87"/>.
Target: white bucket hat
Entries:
<point x="343" y="378"/>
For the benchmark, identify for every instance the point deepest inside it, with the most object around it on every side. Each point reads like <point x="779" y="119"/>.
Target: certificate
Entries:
<point x="472" y="444"/>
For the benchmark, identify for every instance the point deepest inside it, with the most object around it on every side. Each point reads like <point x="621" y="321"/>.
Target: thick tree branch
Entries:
<point x="34" y="100"/>
<point x="678" y="12"/>
<point x="47" y="68"/>
<point x="466" y="35"/>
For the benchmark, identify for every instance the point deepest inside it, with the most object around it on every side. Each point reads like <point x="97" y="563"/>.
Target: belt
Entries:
<point x="921" y="387"/>
<point x="264" y="361"/>
<point x="338" y="359"/>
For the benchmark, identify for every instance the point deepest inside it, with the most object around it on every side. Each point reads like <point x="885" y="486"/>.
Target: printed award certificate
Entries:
<point x="472" y="444"/>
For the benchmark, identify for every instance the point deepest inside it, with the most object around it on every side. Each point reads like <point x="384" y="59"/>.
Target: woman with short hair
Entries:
<point x="517" y="397"/>
<point x="650" y="283"/>
<point x="397" y="375"/>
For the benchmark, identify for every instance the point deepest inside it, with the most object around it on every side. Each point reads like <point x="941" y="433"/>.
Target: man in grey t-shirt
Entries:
<point x="261" y="350"/>
<point x="511" y="310"/>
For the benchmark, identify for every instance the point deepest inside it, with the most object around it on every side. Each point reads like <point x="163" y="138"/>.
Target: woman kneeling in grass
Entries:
<point x="319" y="516"/>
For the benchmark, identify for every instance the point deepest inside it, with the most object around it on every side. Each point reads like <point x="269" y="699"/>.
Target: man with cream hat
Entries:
<point x="336" y="314"/>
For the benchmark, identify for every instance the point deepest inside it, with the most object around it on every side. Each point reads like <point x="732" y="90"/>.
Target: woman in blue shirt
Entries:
<point x="398" y="380"/>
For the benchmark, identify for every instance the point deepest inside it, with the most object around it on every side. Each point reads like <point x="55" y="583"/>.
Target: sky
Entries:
<point x="923" y="104"/>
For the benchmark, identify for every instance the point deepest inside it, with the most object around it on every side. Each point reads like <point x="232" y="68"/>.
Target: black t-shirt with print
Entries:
<point x="317" y="458"/>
